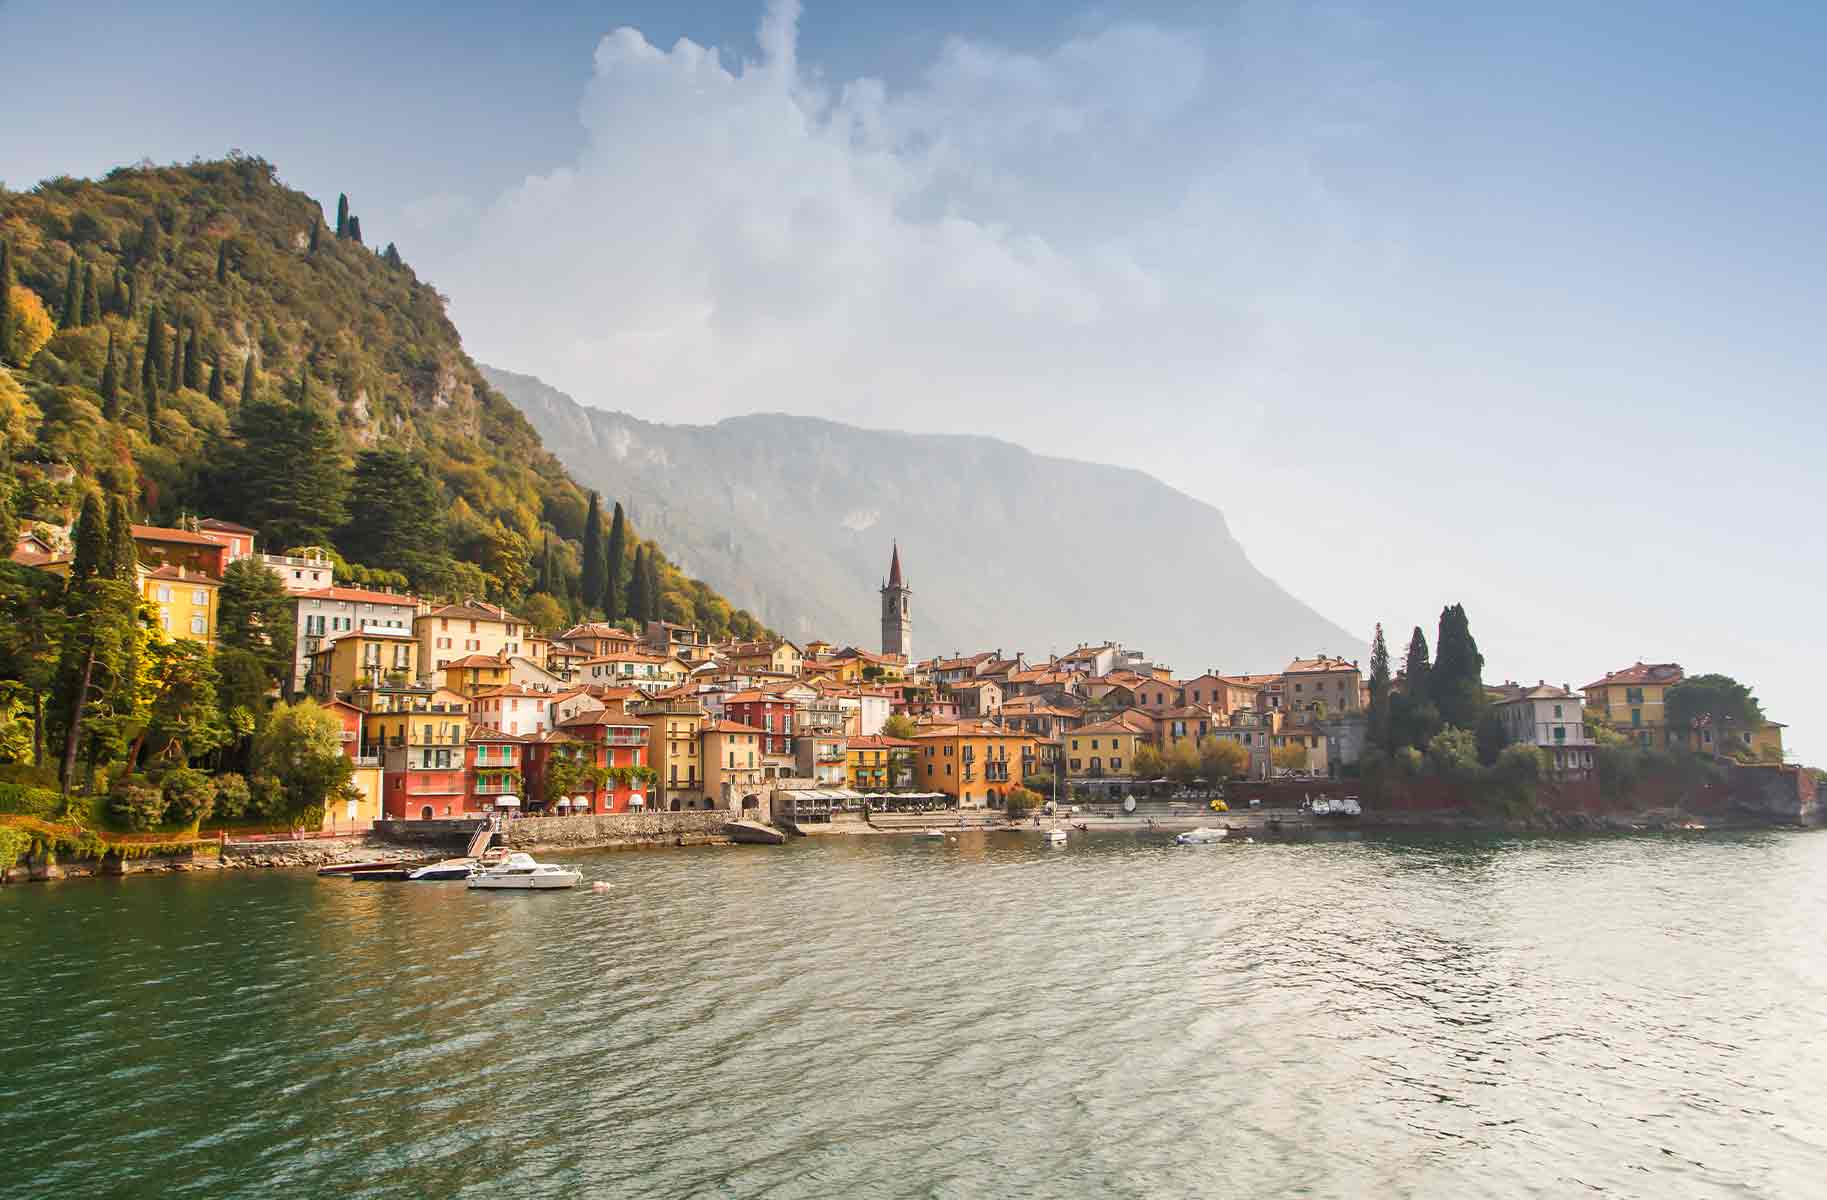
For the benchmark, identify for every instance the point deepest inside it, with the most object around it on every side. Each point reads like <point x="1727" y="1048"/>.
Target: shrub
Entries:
<point x="28" y="801"/>
<point x="189" y="795"/>
<point x="233" y="796"/>
<point x="1020" y="801"/>
<point x="267" y="797"/>
<point x="136" y="803"/>
<point x="1453" y="753"/>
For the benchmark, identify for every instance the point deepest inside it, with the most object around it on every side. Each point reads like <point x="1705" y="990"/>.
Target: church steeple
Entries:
<point x="897" y="611"/>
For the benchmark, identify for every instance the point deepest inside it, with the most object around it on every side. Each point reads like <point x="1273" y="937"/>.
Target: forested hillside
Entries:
<point x="201" y="340"/>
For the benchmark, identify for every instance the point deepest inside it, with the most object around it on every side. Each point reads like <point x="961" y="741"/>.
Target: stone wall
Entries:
<point x="615" y="829"/>
<point x="453" y="835"/>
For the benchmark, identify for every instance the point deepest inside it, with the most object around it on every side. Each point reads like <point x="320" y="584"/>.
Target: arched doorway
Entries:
<point x="425" y="813"/>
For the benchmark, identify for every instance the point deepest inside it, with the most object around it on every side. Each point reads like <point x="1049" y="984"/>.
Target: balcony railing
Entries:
<point x="625" y="739"/>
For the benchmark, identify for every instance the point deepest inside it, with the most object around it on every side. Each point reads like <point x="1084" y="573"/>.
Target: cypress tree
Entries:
<point x="593" y="557"/>
<point x="391" y="255"/>
<point x="342" y="215"/>
<point x="617" y="560"/>
<point x="355" y="230"/>
<point x="317" y="227"/>
<point x="304" y="385"/>
<point x="72" y="298"/>
<point x="174" y="363"/>
<point x="215" y="380"/>
<point x="111" y="385"/>
<point x="247" y="381"/>
<point x="653" y="584"/>
<point x="6" y="301"/>
<point x="1457" y="686"/>
<point x="636" y="608"/>
<point x="1378" y="733"/>
<point x="91" y="537"/>
<point x="222" y="261"/>
<point x="153" y="363"/>
<point x="122" y="556"/>
<point x="148" y="248"/>
<point x="150" y="398"/>
<point x="91" y="297"/>
<point x="1415" y="668"/>
<point x="193" y="362"/>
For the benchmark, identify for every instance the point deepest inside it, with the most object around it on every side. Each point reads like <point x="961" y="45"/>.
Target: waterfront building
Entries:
<point x="1551" y="718"/>
<point x="419" y="733"/>
<point x="973" y="762"/>
<point x="1103" y="750"/>
<point x="820" y="754"/>
<point x="358" y="810"/>
<point x="880" y="764"/>
<point x="733" y="768"/>
<point x="514" y="709"/>
<point x="473" y="672"/>
<point x="674" y="731"/>
<point x="617" y="745"/>
<point x="897" y="611"/>
<point x="1631" y="699"/>
<point x="319" y="613"/>
<point x="1323" y="684"/>
<point x="366" y="657"/>
<point x="773" y="714"/>
<point x="453" y="631"/>
<point x="495" y="770"/>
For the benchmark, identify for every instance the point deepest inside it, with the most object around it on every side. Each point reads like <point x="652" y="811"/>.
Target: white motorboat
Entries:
<point x="1205" y="835"/>
<point x="1055" y="837"/>
<point x="519" y="872"/>
<point x="1349" y="807"/>
<point x="1322" y="807"/>
<point x="450" y="868"/>
<point x="931" y="835"/>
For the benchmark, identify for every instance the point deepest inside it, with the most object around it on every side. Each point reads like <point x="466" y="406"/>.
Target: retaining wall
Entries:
<point x="615" y="829"/>
<point x="453" y="835"/>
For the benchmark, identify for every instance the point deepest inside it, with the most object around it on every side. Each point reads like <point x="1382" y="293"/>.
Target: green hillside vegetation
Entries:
<point x="197" y="340"/>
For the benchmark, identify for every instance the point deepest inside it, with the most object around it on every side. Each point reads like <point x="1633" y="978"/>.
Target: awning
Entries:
<point x="506" y="802"/>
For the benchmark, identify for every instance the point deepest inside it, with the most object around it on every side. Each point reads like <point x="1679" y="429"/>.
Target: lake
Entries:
<point x="876" y="1017"/>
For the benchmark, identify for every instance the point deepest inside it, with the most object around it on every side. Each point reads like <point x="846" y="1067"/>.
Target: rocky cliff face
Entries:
<point x="792" y="518"/>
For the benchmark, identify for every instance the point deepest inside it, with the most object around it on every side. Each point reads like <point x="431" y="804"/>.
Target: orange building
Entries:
<point x="972" y="762"/>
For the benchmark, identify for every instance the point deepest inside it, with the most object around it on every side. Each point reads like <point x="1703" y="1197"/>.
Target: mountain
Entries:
<point x="262" y="361"/>
<point x="793" y="518"/>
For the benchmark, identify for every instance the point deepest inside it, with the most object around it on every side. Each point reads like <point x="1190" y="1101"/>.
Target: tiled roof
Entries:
<point x="881" y="742"/>
<point x="730" y="727"/>
<point x="482" y="733"/>
<point x="1641" y="673"/>
<point x="477" y="660"/>
<point x="475" y="610"/>
<point x="1307" y="666"/>
<point x="167" y="571"/>
<point x="157" y="533"/>
<point x="600" y="716"/>
<point x="358" y="596"/>
<point x="1112" y="726"/>
<point x="218" y="525"/>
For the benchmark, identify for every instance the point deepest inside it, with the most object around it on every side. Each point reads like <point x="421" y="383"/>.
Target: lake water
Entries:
<point x="879" y="1017"/>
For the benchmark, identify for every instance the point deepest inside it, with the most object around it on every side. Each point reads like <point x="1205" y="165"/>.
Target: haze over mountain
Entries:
<point x="792" y="518"/>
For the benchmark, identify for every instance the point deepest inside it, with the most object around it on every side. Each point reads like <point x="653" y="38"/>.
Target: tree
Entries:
<point x="567" y="777"/>
<point x="247" y="381"/>
<point x="594" y="563"/>
<point x="216" y="392"/>
<point x="254" y="613"/>
<point x="1415" y="668"/>
<point x="1182" y="761"/>
<point x="122" y="556"/>
<point x="91" y="297"/>
<point x="222" y="260"/>
<point x="28" y="325"/>
<point x="1019" y="802"/>
<point x="174" y="362"/>
<point x="1289" y="757"/>
<point x="6" y="301"/>
<point x="97" y="672"/>
<point x="317" y="228"/>
<point x="391" y="255"/>
<point x="397" y="521"/>
<point x="283" y="474"/>
<point x="613" y="598"/>
<point x="342" y="214"/>
<point x="1453" y="753"/>
<point x="193" y="363"/>
<point x="149" y="400"/>
<point x="1147" y="762"/>
<point x="1457" y="683"/>
<point x="900" y="725"/>
<point x="543" y="612"/>
<point x="71" y="315"/>
<point x="1716" y="702"/>
<point x="1378" y="717"/>
<point x="301" y="747"/>
<point x="184" y="721"/>
<point x="32" y="629"/>
<point x="152" y="363"/>
<point x="655" y="565"/>
<point x="355" y="230"/>
<point x="111" y="384"/>
<point x="1222" y="758"/>
<point x="189" y="795"/>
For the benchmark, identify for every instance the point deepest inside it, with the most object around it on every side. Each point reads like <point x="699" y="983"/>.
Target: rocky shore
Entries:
<point x="207" y="857"/>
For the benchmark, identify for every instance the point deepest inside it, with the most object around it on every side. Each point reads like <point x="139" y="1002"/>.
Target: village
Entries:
<point x="464" y="710"/>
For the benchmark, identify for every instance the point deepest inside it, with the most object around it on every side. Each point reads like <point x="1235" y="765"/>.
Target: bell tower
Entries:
<point x="897" y="611"/>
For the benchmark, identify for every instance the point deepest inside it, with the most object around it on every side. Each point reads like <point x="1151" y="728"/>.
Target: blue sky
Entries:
<point x="1511" y="305"/>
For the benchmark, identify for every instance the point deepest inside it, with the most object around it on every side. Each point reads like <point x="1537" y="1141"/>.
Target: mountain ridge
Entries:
<point x="718" y="493"/>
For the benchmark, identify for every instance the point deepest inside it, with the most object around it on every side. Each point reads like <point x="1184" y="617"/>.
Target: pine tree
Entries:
<point x="149" y="397"/>
<point x="284" y="474"/>
<point x="153" y="363"/>
<point x="636" y="607"/>
<point x="193" y="362"/>
<point x="119" y="302"/>
<point x="342" y="215"/>
<point x="247" y="381"/>
<point x="148" y="249"/>
<point x="1378" y="733"/>
<point x="398" y="522"/>
<point x="593" y="557"/>
<point x="654" y="611"/>
<point x="1415" y="667"/>
<point x="91" y="538"/>
<point x="111" y="385"/>
<point x="174" y="362"/>
<point x="72" y="298"/>
<point x="303" y="391"/>
<point x="355" y="230"/>
<point x="222" y="261"/>
<point x="1457" y="685"/>
<point x="91" y="297"/>
<point x="613" y="602"/>
<point x="215" y="380"/>
<point x="6" y="301"/>
<point x="391" y="255"/>
<point x="122" y="555"/>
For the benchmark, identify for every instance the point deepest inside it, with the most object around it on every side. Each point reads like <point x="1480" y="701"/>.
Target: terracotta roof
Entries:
<point x="167" y="571"/>
<point x="475" y="610"/>
<point x="404" y="635"/>
<point x="630" y="656"/>
<point x="220" y="526"/>
<point x="880" y="742"/>
<point x="1308" y="666"/>
<point x="973" y="729"/>
<point x="600" y="716"/>
<point x="482" y="733"/>
<point x="477" y="660"/>
<point x="956" y="664"/>
<point x="360" y="596"/>
<point x="1111" y="726"/>
<point x="730" y="727"/>
<point x="1639" y="673"/>
<point x="755" y="697"/>
<point x="158" y="533"/>
<point x="510" y="691"/>
<point x="1539" y="692"/>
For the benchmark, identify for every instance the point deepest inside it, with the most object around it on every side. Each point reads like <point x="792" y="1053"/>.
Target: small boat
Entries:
<point x="1322" y="807"/>
<point x="450" y="868"/>
<point x="1055" y="837"/>
<point x="382" y="875"/>
<point x="1081" y="827"/>
<point x="1205" y="835"/>
<point x="1349" y="807"/>
<point x="931" y="835"/>
<point x="354" y="867"/>
<point x="519" y="872"/>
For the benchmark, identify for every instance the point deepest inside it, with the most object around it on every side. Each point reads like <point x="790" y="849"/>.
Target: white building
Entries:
<point x="1552" y="718"/>
<point x="308" y="572"/>
<point x="324" y="612"/>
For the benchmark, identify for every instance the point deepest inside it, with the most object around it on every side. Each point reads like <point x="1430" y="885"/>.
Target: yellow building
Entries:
<point x="880" y="763"/>
<point x="1306" y="739"/>
<point x="357" y="813"/>
<point x="1103" y="750"/>
<point x="733" y="772"/>
<point x="455" y="631"/>
<point x="675" y="731"/>
<point x="775" y="657"/>
<point x="1763" y="742"/>
<point x="1632" y="700"/>
<point x="973" y="762"/>
<point x="474" y="672"/>
<point x="434" y="721"/>
<point x="365" y="657"/>
<point x="853" y="666"/>
<point x="183" y="602"/>
<point x="1308" y="683"/>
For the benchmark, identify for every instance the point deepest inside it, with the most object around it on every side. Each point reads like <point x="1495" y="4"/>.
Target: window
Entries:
<point x="1636" y="717"/>
<point x="199" y="597"/>
<point x="1116" y="764"/>
<point x="1557" y="712"/>
<point x="164" y="594"/>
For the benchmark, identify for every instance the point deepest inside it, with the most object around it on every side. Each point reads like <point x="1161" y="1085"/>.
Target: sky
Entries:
<point x="1515" y="305"/>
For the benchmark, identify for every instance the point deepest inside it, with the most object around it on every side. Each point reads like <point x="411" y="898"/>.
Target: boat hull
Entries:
<point x="527" y="883"/>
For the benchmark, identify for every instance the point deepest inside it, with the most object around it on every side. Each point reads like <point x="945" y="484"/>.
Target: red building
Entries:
<point x="605" y="739"/>
<point x="205" y="552"/>
<point x="771" y="714"/>
<point x="496" y="765"/>
<point x="414" y="793"/>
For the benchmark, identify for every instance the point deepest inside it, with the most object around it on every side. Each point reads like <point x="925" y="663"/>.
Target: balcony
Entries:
<point x="625" y="739"/>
